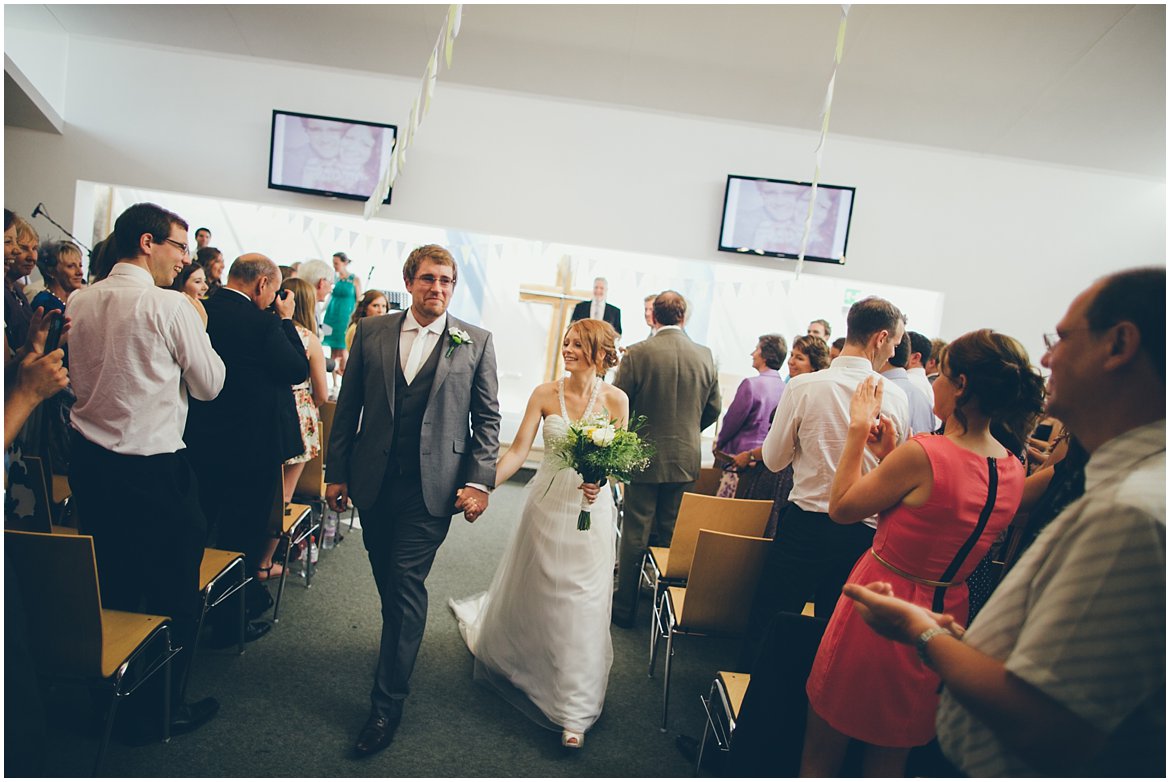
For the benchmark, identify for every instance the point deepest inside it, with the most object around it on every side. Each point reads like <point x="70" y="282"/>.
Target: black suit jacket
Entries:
<point x="254" y="419"/>
<point x="613" y="316"/>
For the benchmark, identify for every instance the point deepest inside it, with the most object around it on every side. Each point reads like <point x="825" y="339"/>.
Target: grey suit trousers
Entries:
<point x="650" y="511"/>
<point x="401" y="539"/>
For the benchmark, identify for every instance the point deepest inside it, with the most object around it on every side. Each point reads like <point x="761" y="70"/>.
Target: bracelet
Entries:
<point x="924" y="639"/>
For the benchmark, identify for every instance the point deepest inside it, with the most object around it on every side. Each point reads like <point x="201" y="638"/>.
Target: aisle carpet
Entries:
<point x="293" y="703"/>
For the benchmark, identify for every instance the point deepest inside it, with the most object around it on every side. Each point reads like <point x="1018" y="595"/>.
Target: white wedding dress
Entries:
<point x="540" y="634"/>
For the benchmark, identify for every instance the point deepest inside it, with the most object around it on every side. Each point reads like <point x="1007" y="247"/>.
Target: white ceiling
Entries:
<point x="1081" y="85"/>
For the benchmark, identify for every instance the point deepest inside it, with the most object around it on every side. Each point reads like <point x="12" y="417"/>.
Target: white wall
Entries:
<point x="1008" y="242"/>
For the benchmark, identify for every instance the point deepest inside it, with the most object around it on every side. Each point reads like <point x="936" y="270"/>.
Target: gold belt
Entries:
<point x="909" y="577"/>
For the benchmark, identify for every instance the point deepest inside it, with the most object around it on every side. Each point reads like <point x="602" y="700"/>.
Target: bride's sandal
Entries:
<point x="571" y="739"/>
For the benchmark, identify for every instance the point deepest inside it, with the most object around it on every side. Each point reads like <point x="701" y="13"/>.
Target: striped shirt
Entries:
<point x="1082" y="617"/>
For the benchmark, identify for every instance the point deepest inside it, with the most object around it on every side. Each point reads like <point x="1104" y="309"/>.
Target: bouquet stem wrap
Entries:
<point x="584" y="519"/>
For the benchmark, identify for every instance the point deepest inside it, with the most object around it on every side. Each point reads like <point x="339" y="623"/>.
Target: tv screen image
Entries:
<point x="328" y="156"/>
<point x="766" y="217"/>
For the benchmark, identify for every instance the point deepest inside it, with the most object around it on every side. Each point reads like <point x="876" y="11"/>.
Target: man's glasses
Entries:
<point x="446" y="283"/>
<point x="1053" y="339"/>
<point x="186" y="250"/>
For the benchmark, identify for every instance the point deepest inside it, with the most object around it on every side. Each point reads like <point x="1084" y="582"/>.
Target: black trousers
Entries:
<point x="809" y="559"/>
<point x="401" y="539"/>
<point x="148" y="532"/>
<point x="651" y="510"/>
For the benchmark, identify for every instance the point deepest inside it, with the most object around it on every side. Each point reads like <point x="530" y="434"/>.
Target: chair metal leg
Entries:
<point x="666" y="675"/>
<point x="107" y="731"/>
<point x="655" y="634"/>
<point x="283" y="577"/>
<point x="243" y="607"/>
<point x="706" y="727"/>
<point x="166" y="673"/>
<point x="195" y="641"/>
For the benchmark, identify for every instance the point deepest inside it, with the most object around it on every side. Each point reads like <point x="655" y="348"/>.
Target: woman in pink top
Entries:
<point x="942" y="500"/>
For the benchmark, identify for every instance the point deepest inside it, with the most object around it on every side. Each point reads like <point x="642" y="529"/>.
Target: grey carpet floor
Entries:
<point x="292" y="704"/>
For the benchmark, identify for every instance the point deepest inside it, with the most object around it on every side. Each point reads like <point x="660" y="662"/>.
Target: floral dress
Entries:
<point x="307" y="412"/>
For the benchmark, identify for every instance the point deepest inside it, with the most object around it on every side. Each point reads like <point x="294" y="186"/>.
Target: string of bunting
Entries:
<point x="441" y="51"/>
<point x="825" y="111"/>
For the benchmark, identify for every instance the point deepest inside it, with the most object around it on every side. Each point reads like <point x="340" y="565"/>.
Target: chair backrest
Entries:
<point x="708" y="481"/>
<point x="719" y="514"/>
<point x="312" y="480"/>
<point x="723" y="582"/>
<point x="58" y="583"/>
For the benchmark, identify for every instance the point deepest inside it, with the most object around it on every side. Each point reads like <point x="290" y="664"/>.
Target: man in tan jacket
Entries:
<point x="673" y="382"/>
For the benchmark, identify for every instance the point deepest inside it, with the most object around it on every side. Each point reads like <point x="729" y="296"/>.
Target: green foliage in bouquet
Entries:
<point x="598" y="448"/>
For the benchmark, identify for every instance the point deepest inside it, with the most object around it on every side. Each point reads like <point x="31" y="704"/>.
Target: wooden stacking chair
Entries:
<point x="43" y="518"/>
<point x="296" y="526"/>
<point x="217" y="564"/>
<point x="708" y="481"/>
<point x="669" y="566"/>
<point x="722" y="708"/>
<point x="717" y="598"/>
<point x="72" y="638"/>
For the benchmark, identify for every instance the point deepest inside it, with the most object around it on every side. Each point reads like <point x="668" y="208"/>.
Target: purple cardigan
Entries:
<point x="749" y="417"/>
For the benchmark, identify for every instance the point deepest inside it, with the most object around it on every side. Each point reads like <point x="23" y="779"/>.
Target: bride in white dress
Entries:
<point x="540" y="634"/>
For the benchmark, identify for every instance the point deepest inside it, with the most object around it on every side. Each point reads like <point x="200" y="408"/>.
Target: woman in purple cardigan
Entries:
<point x="746" y="423"/>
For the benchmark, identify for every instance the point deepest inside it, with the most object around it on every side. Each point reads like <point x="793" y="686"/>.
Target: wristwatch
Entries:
<point x="924" y="639"/>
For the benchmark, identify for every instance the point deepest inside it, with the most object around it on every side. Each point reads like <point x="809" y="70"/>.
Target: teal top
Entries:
<point x="342" y="303"/>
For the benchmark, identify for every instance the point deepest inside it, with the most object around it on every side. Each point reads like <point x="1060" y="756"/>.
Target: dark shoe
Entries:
<point x="190" y="716"/>
<point x="257" y="600"/>
<point x="376" y="735"/>
<point x="137" y="729"/>
<point x="252" y="630"/>
<point x="688" y="747"/>
<point x="624" y="622"/>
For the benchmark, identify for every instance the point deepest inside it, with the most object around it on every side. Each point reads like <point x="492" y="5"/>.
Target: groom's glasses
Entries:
<point x="429" y="280"/>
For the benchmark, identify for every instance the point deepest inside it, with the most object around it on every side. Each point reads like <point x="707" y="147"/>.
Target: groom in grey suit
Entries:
<point x="415" y="439"/>
<point x="674" y="383"/>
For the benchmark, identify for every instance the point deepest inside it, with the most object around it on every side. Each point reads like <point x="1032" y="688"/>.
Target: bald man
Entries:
<point x="239" y="440"/>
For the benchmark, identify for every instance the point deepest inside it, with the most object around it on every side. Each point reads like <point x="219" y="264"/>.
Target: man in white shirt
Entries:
<point x="921" y="407"/>
<point x="1063" y="673"/>
<point x="921" y="352"/>
<point x="811" y="555"/>
<point x="136" y="352"/>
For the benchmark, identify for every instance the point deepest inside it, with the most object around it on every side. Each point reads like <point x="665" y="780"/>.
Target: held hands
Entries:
<point x="337" y="496"/>
<point x="472" y="502"/>
<point x="894" y="618"/>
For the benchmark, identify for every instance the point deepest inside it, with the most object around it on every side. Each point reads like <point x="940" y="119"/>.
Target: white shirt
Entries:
<point x="597" y="309"/>
<point x="410" y="332"/>
<point x="812" y="421"/>
<point x="918" y="377"/>
<point x="135" y="352"/>
<point x="1082" y="616"/>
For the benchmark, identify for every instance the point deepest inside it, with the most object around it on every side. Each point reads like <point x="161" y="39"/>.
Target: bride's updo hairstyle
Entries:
<point x="598" y="337"/>
<point x="1001" y="381"/>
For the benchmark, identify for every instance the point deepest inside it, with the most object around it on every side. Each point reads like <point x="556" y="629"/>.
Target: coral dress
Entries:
<point x="871" y="688"/>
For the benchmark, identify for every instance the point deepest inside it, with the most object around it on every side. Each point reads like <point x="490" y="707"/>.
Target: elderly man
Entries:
<point x="673" y="382"/>
<point x="137" y="353"/>
<point x="598" y="308"/>
<point x="240" y="439"/>
<point x="1063" y="672"/>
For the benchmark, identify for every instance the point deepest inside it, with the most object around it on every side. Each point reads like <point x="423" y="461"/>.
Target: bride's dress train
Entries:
<point x="540" y="634"/>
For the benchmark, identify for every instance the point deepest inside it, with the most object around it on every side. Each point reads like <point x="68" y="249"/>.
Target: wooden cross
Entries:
<point x="562" y="298"/>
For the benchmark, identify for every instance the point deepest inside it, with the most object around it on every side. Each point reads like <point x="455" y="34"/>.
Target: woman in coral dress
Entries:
<point x="943" y="500"/>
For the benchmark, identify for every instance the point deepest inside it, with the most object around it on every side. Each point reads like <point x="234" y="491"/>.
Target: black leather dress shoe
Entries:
<point x="252" y="630"/>
<point x="190" y="716"/>
<point x="623" y="622"/>
<point x="376" y="735"/>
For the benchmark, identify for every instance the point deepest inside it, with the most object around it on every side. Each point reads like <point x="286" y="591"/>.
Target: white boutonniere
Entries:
<point x="458" y="337"/>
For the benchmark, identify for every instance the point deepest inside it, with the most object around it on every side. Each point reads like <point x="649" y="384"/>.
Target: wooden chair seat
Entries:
<point x="736" y="685"/>
<point x="60" y="488"/>
<point x="722" y="706"/>
<point x="122" y="633"/>
<point x="215" y="562"/>
<point x="296" y="525"/>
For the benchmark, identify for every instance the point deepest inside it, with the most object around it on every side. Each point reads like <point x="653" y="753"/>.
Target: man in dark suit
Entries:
<point x="673" y="382"/>
<point x="415" y="439"/>
<point x="239" y="440"/>
<point x="597" y="308"/>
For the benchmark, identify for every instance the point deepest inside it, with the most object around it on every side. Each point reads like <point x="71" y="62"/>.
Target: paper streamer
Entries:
<point x="826" y="110"/>
<point x="442" y="51"/>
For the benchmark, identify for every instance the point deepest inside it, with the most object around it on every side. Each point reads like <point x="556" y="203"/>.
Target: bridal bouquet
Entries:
<point x="597" y="448"/>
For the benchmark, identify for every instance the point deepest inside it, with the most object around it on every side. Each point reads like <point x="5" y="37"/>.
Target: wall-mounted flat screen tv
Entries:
<point x="766" y="217"/>
<point x="340" y="158"/>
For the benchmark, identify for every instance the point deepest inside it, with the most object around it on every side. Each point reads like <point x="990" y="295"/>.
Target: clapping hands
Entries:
<point x="865" y="409"/>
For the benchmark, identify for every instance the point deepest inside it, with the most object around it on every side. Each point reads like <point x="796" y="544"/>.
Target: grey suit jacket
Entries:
<point x="460" y="429"/>
<point x="673" y="382"/>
